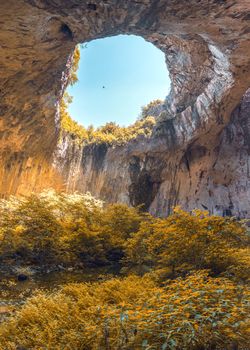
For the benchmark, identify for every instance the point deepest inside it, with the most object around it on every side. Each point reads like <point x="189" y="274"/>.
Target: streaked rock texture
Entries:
<point x="198" y="155"/>
<point x="209" y="175"/>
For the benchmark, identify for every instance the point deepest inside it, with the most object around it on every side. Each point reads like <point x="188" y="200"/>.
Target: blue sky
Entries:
<point x="133" y="73"/>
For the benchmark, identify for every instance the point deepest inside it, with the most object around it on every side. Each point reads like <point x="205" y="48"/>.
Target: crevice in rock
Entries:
<point x="65" y="29"/>
<point x="143" y="188"/>
<point x="92" y="6"/>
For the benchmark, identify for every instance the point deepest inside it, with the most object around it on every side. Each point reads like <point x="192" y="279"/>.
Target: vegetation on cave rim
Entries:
<point x="186" y="286"/>
<point x="111" y="133"/>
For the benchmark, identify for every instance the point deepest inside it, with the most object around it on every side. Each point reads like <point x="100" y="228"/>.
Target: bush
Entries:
<point x="198" y="312"/>
<point x="54" y="228"/>
<point x="113" y="134"/>
<point x="51" y="228"/>
<point x="187" y="241"/>
<point x="161" y="310"/>
<point x="154" y="108"/>
<point x="69" y="125"/>
<point x="42" y="228"/>
<point x="110" y="133"/>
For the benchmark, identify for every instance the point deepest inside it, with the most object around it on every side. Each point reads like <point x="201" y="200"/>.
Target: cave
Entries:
<point x="207" y="50"/>
<point x="118" y="77"/>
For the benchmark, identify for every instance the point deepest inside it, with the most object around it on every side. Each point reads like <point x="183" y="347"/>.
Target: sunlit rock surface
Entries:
<point x="198" y="155"/>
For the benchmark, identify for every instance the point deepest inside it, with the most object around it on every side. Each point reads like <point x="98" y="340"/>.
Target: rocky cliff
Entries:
<point x="198" y="154"/>
<point x="151" y="171"/>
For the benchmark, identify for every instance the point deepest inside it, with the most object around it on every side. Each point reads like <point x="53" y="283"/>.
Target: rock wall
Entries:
<point x="146" y="171"/>
<point x="199" y="151"/>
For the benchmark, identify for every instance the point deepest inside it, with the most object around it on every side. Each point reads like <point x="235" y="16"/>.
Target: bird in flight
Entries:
<point x="103" y="87"/>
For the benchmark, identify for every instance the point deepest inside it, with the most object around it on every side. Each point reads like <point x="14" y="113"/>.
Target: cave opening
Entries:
<point x="117" y="76"/>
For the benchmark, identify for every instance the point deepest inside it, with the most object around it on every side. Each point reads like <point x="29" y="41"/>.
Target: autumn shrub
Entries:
<point x="52" y="227"/>
<point x="110" y="134"/>
<point x="43" y="228"/>
<point x="75" y="59"/>
<point x="29" y="230"/>
<point x="118" y="224"/>
<point x="153" y="108"/>
<point x="61" y="228"/>
<point x="113" y="134"/>
<point x="68" y="125"/>
<point x="181" y="303"/>
<point x="96" y="235"/>
<point x="186" y="241"/>
<point x="198" y="312"/>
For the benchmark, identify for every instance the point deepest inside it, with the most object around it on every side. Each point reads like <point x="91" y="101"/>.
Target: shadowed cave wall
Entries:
<point x="198" y="155"/>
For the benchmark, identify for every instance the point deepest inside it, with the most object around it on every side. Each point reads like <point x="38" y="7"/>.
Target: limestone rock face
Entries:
<point x="198" y="155"/>
<point x="212" y="176"/>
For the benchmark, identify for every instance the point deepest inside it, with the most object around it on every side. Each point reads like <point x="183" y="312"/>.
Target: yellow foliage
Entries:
<point x="186" y="241"/>
<point x="55" y="227"/>
<point x="68" y="124"/>
<point x="151" y="109"/>
<point x="74" y="66"/>
<point x="200" y="311"/>
<point x="110" y="133"/>
<point x="52" y="228"/>
<point x="41" y="228"/>
<point x="134" y="313"/>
